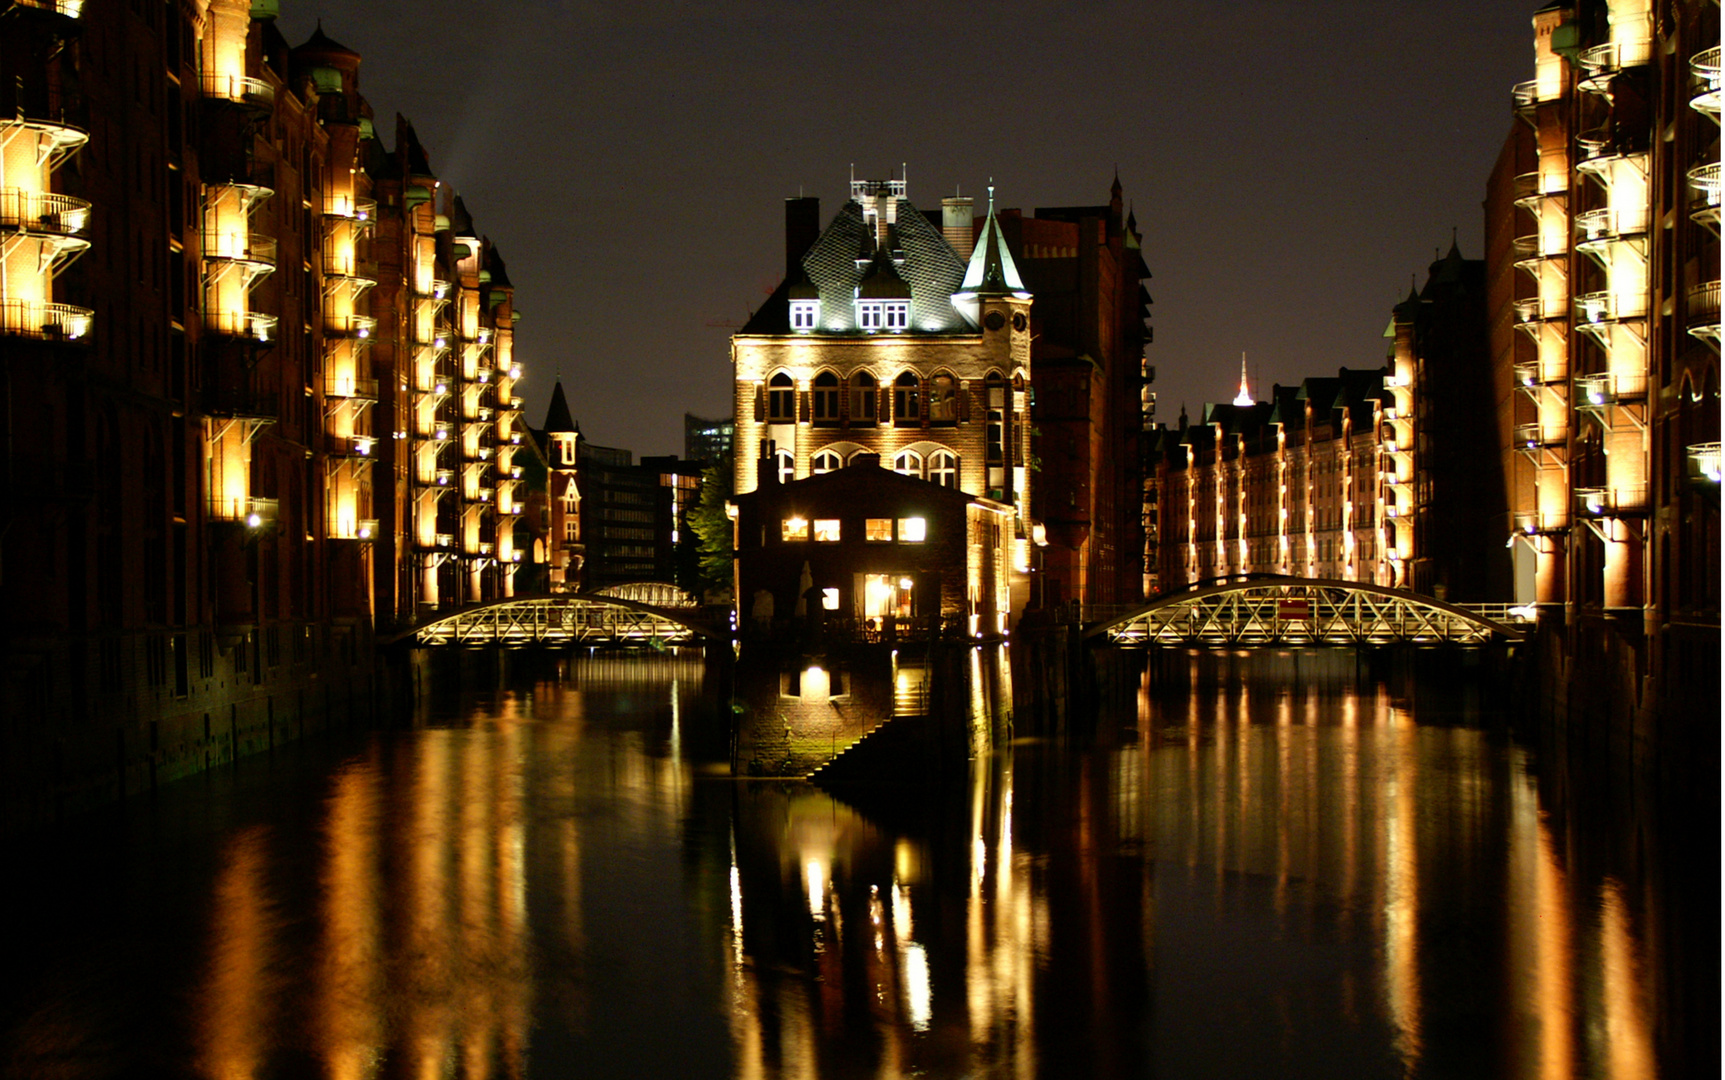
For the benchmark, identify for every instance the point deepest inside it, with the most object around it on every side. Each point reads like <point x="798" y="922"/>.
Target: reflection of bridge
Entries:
<point x="643" y="613"/>
<point x="1272" y="610"/>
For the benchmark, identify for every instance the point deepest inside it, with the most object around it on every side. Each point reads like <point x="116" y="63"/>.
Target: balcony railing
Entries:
<point x="254" y="325"/>
<point x="1704" y="66"/>
<point x="44" y="212"/>
<point x="1534" y="310"/>
<point x="1704" y="461"/>
<point x="1542" y="522"/>
<point x="1611" y="221"/>
<point x="1602" y="307"/>
<point x="249" y="247"/>
<point x="1532" y="436"/>
<point x="240" y="402"/>
<point x="247" y="510"/>
<point x="1598" y="391"/>
<point x="350" y="325"/>
<point x="70" y="9"/>
<point x="1611" y="501"/>
<point x="239" y="88"/>
<point x="1616" y="55"/>
<point x="346" y="386"/>
<point x="44" y="322"/>
<point x="351" y="446"/>
<point x="1703" y="309"/>
<point x="1530" y="375"/>
<point x="352" y="207"/>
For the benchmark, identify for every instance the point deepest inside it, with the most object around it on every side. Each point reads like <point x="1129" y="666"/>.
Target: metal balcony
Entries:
<point x="44" y="115"/>
<point x="247" y="510"/>
<point x="255" y="249"/>
<point x="44" y="322"/>
<point x="1606" y="307"/>
<point x="346" y="386"/>
<point x="1530" y="377"/>
<point x="1704" y="66"/>
<point x="351" y="207"/>
<point x="1524" y="99"/>
<point x="251" y="325"/>
<point x="1704" y="207"/>
<point x="1538" y="436"/>
<point x="240" y="89"/>
<point x="1704" y="462"/>
<point x="359" y="326"/>
<point x="486" y="494"/>
<point x="1617" y="501"/>
<point x="1603" y="391"/>
<point x="1611" y="222"/>
<point x="1702" y="306"/>
<point x="351" y="446"/>
<point x="44" y="214"/>
<point x="1542" y="522"/>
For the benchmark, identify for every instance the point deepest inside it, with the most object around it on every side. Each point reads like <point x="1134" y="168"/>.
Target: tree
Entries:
<point x="712" y="525"/>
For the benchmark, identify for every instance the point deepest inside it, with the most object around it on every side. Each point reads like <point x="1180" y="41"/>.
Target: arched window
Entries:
<point x="781" y="400"/>
<point x="787" y="466"/>
<point x="824" y="462"/>
<point x="826" y="405"/>
<point x="943" y="469"/>
<point x="864" y="390"/>
<point x="942" y="399"/>
<point x="908" y="463"/>
<point x="907" y="400"/>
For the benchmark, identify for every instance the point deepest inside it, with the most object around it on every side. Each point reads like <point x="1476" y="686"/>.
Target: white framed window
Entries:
<point x="870" y="314"/>
<point x="943" y="469"/>
<point x="908" y="463"/>
<point x="804" y="315"/>
<point x="825" y="462"/>
<point x="786" y="465"/>
<point x="896" y="314"/>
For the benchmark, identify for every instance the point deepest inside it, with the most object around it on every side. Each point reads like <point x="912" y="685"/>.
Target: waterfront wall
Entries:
<point x="167" y="706"/>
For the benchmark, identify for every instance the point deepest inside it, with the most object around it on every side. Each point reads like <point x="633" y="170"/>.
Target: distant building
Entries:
<point x="565" y="548"/>
<point x="709" y="441"/>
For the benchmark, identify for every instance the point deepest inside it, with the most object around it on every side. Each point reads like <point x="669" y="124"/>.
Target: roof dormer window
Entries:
<point x="870" y="315"/>
<point x="897" y="315"/>
<point x="804" y="314"/>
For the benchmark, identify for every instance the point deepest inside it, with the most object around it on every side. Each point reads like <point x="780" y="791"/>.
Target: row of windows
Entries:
<point x="911" y="530"/>
<point x="940" y="467"/>
<point x="912" y="397"/>
<point x="872" y="316"/>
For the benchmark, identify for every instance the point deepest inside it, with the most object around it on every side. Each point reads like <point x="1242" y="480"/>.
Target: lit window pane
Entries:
<point x="878" y="529"/>
<point x="829" y="599"/>
<point x="826" y="530"/>
<point x="912" y="530"/>
<point x="796" y="528"/>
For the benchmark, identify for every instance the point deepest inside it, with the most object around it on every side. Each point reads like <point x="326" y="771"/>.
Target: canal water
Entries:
<point x="1274" y="869"/>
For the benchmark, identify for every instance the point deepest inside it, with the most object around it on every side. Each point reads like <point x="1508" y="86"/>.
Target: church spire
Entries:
<point x="1244" y="398"/>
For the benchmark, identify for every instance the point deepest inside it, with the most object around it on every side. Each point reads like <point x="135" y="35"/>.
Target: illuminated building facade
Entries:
<point x="894" y="338"/>
<point x="205" y="508"/>
<point x="1606" y="343"/>
<point x="561" y="442"/>
<point x="1293" y="485"/>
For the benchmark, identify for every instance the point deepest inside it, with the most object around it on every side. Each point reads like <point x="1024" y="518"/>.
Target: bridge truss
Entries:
<point x="569" y="619"/>
<point x="1271" y="611"/>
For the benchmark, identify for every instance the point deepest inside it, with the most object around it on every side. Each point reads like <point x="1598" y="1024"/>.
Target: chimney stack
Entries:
<point x="957" y="224"/>
<point x="802" y="229"/>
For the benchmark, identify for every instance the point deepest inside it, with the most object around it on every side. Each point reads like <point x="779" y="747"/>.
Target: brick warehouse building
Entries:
<point x="939" y="343"/>
<point x="222" y="296"/>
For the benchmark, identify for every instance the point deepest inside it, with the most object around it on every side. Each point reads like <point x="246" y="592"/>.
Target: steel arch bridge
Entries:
<point x="611" y="616"/>
<point x="1271" y="610"/>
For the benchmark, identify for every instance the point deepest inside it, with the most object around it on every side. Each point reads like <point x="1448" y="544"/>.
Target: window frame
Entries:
<point x="781" y="399"/>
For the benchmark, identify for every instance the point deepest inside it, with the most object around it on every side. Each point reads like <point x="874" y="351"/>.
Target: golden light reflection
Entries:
<point x="235" y="1030"/>
<point x="1628" y="1032"/>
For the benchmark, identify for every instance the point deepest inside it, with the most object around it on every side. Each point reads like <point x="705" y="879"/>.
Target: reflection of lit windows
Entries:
<point x="804" y="313"/>
<point x="877" y="529"/>
<point x="897" y="314"/>
<point x="826" y="530"/>
<point x="943" y="469"/>
<point x="912" y="530"/>
<point x="781" y="400"/>
<point x="829" y="599"/>
<point x="824" y="462"/>
<point x="796" y="528"/>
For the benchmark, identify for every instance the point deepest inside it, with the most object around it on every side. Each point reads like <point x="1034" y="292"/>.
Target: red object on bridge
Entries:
<point x="1293" y="609"/>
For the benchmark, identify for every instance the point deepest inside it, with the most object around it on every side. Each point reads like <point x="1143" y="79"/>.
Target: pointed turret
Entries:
<point x="1244" y="397"/>
<point x="991" y="271"/>
<point x="557" y="419"/>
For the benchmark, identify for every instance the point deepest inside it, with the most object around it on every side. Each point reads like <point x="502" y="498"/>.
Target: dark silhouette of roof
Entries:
<point x="557" y="418"/>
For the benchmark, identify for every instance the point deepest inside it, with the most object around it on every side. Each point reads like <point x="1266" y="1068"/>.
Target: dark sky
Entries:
<point x="1291" y="163"/>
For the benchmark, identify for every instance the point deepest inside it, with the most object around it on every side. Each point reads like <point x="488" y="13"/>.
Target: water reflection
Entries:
<point x="1289" y="876"/>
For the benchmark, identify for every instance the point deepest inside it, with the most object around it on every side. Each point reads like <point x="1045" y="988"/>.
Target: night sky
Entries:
<point x="1291" y="163"/>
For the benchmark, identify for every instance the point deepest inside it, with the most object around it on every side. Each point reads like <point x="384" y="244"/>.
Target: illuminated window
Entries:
<point x="781" y="400"/>
<point x="826" y="530"/>
<point x="942" y="400"/>
<point x="863" y="392"/>
<point x="912" y="530"/>
<point x="824" y="462"/>
<point x="897" y="314"/>
<point x="829" y="599"/>
<point x="826" y="403"/>
<point x="869" y="315"/>
<point x="787" y="466"/>
<point x="878" y="529"/>
<point x="796" y="528"/>
<point x="804" y="313"/>
<point x="943" y="469"/>
<point x="908" y="463"/>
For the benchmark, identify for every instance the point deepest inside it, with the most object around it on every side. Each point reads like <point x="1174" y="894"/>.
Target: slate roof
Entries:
<point x="557" y="417"/>
<point x="920" y="257"/>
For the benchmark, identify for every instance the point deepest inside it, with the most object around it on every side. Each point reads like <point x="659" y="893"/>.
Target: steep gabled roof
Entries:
<point x="991" y="271"/>
<point x="920" y="257"/>
<point x="557" y="418"/>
